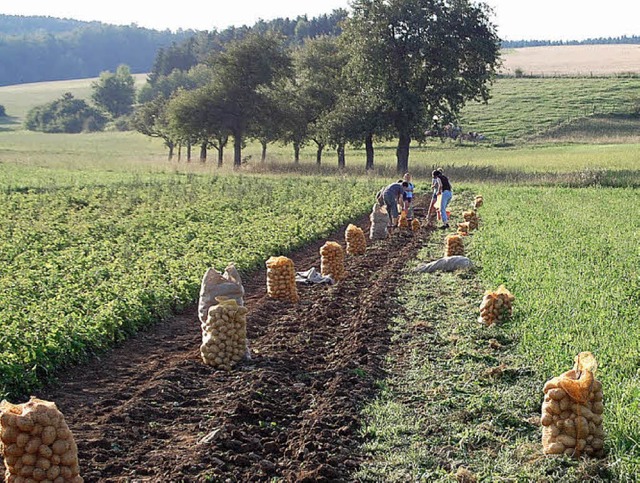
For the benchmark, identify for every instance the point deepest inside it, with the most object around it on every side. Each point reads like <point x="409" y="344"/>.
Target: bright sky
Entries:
<point x="516" y="19"/>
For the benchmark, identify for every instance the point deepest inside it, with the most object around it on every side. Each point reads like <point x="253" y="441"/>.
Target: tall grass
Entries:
<point x="570" y="256"/>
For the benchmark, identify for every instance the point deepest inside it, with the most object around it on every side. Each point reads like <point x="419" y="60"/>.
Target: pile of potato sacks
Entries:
<point x="496" y="307"/>
<point x="332" y="261"/>
<point x="454" y="246"/>
<point x="472" y="218"/>
<point x="224" y="334"/>
<point x="477" y="203"/>
<point x="37" y="444"/>
<point x="356" y="241"/>
<point x="572" y="411"/>
<point x="281" y="279"/>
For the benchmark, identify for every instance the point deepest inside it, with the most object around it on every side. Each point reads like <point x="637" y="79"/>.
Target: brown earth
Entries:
<point x="150" y="410"/>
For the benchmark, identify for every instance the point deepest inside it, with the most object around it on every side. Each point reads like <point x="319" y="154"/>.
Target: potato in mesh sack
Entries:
<point x="37" y="444"/>
<point x="454" y="245"/>
<point x="572" y="411"/>
<point x="477" y="203"/>
<point x="496" y="307"/>
<point x="332" y="261"/>
<point x="224" y="334"/>
<point x="415" y="224"/>
<point x="356" y="241"/>
<point x="281" y="279"/>
<point x="472" y="218"/>
<point x="463" y="228"/>
<point x="403" y="221"/>
<point x="215" y="284"/>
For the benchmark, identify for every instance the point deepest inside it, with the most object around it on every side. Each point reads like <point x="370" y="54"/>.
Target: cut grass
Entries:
<point x="440" y="413"/>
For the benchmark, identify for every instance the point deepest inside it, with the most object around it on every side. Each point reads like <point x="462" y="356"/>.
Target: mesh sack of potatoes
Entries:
<point x="215" y="284"/>
<point x="472" y="218"/>
<point x="463" y="228"/>
<point x="37" y="444"/>
<point x="415" y="224"/>
<point x="332" y="260"/>
<point x="496" y="307"/>
<point x="403" y="221"/>
<point x="224" y="334"/>
<point x="281" y="279"/>
<point x="572" y="411"/>
<point x="454" y="245"/>
<point x="379" y="220"/>
<point x="477" y="203"/>
<point x="356" y="241"/>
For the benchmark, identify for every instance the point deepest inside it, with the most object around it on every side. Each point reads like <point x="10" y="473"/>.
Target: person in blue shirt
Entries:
<point x="407" y="197"/>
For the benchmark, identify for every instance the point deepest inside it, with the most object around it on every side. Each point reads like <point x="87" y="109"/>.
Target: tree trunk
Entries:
<point x="402" y="153"/>
<point x="319" y="153"/>
<point x="179" y="152"/>
<point x="220" y="155"/>
<point x="263" y="155"/>
<point x="296" y="153"/>
<point x="189" y="152"/>
<point x="341" y="160"/>
<point x="170" y="146"/>
<point x="368" y="146"/>
<point x="203" y="152"/>
<point x="237" y="151"/>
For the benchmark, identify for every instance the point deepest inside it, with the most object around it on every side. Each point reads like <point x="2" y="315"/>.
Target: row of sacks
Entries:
<point x="221" y="308"/>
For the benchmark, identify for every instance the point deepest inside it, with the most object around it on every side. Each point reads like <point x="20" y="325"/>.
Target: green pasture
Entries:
<point x="570" y="257"/>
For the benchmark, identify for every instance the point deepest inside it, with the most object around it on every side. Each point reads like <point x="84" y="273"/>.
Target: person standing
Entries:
<point x="408" y="197"/>
<point x="442" y="187"/>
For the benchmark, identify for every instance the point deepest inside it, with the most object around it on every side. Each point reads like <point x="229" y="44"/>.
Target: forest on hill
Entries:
<point x="39" y="48"/>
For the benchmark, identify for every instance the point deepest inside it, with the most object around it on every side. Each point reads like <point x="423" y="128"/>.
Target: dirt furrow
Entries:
<point x="150" y="410"/>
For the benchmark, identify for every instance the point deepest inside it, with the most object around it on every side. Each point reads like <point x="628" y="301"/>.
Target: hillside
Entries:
<point x="566" y="60"/>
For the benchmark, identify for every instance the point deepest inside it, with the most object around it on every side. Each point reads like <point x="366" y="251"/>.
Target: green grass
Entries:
<point x="82" y="267"/>
<point x="570" y="258"/>
<point x="526" y="108"/>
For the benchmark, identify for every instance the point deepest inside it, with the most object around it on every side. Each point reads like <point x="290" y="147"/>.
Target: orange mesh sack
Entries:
<point x="463" y="228"/>
<point x="281" y="279"/>
<point x="477" y="203"/>
<point x="472" y="218"/>
<point x="496" y="307"/>
<point x="356" y="241"/>
<point x="224" y="334"/>
<point x="332" y="260"/>
<point x="37" y="444"/>
<point x="572" y="411"/>
<point x="403" y="221"/>
<point x="454" y="245"/>
<point x="415" y="224"/>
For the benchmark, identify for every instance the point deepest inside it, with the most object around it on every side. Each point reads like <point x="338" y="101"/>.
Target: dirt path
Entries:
<point x="150" y="410"/>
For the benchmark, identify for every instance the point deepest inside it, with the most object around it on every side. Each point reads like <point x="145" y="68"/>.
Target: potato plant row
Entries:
<point x="82" y="267"/>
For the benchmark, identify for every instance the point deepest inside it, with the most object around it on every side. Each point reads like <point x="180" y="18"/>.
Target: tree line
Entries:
<point x="395" y="70"/>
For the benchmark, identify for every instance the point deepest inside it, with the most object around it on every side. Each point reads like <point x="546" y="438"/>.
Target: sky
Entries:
<point x="515" y="19"/>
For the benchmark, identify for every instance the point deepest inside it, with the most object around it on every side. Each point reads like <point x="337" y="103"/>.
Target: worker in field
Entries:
<point x="392" y="196"/>
<point x="407" y="197"/>
<point x="441" y="187"/>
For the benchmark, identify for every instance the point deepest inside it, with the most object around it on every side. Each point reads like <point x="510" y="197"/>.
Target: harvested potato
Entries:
<point x="496" y="307"/>
<point x="454" y="246"/>
<point x="35" y="439"/>
<point x="281" y="279"/>
<point x="332" y="261"/>
<point x="355" y="239"/>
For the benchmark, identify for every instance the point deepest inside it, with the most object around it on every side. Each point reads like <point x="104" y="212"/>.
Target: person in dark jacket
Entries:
<point x="442" y="187"/>
<point x="392" y="196"/>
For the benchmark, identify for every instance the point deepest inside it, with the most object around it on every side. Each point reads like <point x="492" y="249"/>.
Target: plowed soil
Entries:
<point x="150" y="410"/>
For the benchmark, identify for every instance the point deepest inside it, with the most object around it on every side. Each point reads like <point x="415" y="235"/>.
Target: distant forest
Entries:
<point x="38" y="49"/>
